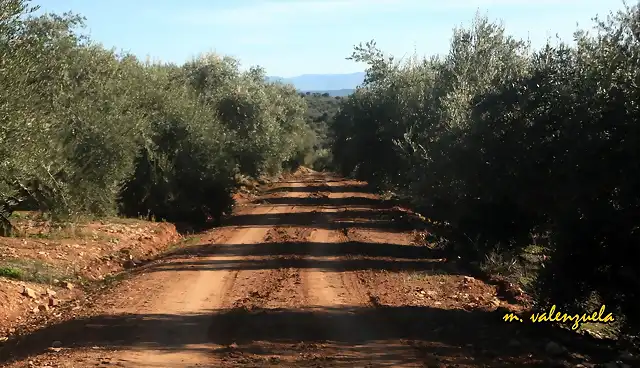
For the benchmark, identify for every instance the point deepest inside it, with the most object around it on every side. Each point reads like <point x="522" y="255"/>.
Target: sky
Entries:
<point x="294" y="37"/>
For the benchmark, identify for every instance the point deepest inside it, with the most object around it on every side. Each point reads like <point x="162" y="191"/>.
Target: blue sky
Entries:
<point x="293" y="37"/>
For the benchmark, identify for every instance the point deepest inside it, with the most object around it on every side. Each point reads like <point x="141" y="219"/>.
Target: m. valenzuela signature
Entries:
<point x="553" y="316"/>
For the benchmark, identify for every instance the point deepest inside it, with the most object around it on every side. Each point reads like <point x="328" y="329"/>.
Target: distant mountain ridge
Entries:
<point x="334" y="84"/>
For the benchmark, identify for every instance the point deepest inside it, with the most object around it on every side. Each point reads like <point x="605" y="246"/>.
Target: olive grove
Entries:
<point x="513" y="147"/>
<point x="87" y="131"/>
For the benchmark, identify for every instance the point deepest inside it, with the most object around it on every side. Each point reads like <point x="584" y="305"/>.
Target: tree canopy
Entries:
<point x="514" y="147"/>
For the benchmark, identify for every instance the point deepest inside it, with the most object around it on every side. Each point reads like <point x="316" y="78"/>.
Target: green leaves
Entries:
<point x="84" y="130"/>
<point x="503" y="143"/>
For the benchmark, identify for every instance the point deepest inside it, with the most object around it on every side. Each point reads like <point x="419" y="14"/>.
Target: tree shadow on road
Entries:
<point x="359" y="188"/>
<point x="366" y="219"/>
<point x="375" y="204"/>
<point x="281" y="262"/>
<point x="339" y="257"/>
<point x="297" y="248"/>
<point x="439" y="335"/>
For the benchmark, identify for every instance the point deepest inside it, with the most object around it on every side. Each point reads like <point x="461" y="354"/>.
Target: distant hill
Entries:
<point x="334" y="84"/>
<point x="334" y="93"/>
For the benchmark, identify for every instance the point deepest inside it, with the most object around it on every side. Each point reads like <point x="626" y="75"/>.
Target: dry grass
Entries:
<point x="32" y="270"/>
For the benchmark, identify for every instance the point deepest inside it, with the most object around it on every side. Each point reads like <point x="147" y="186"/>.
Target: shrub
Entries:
<point x="506" y="144"/>
<point x="86" y="131"/>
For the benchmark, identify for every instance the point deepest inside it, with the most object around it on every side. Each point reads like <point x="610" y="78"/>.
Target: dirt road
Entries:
<point x="314" y="273"/>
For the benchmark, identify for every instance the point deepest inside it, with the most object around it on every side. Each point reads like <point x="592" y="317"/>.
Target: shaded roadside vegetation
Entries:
<point x="516" y="150"/>
<point x="86" y="131"/>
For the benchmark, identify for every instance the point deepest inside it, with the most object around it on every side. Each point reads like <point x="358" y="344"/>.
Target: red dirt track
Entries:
<point x="310" y="274"/>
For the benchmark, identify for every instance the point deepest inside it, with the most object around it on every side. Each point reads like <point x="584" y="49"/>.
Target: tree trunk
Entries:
<point x="6" y="209"/>
<point x="6" y="228"/>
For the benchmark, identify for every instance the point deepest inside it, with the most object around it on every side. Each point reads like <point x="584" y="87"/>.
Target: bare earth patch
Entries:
<point x="63" y="260"/>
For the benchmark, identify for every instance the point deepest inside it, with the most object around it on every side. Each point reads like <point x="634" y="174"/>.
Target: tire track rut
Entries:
<point x="356" y="337"/>
<point x="192" y="292"/>
<point x="276" y="292"/>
